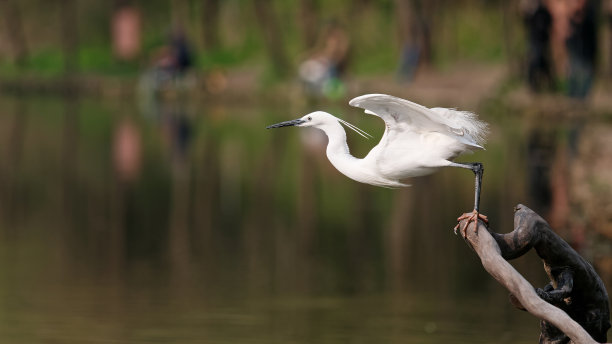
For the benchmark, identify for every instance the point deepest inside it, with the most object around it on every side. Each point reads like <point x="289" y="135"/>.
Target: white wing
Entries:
<point x="411" y="129"/>
<point x="400" y="112"/>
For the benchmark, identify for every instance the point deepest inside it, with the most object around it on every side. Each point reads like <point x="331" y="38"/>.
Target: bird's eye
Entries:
<point x="309" y="118"/>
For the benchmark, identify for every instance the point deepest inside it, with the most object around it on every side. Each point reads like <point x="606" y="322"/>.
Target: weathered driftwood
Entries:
<point x="574" y="306"/>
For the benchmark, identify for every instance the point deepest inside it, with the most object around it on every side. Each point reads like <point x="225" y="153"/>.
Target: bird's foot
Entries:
<point x="474" y="216"/>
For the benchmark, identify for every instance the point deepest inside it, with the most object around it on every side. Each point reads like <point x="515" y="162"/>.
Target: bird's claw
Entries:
<point x="473" y="216"/>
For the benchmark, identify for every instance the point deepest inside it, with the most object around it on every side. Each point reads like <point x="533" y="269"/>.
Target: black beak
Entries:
<point x="286" y="124"/>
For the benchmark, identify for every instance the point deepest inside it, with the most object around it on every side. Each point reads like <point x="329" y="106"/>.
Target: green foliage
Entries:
<point x="99" y="59"/>
<point x="46" y="63"/>
<point x="460" y="31"/>
<point x="227" y="57"/>
<point x="469" y="33"/>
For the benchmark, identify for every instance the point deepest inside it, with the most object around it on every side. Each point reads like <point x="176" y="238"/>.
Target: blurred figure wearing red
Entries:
<point x="125" y="27"/>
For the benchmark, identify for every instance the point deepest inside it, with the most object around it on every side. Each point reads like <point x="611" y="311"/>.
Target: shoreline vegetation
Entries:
<point x="248" y="48"/>
<point x="466" y="85"/>
<point x="244" y="52"/>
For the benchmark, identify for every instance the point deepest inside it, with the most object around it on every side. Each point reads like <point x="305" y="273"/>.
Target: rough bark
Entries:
<point x="577" y="292"/>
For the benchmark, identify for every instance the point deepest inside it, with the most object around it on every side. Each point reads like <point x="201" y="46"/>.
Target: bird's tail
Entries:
<point x="467" y="125"/>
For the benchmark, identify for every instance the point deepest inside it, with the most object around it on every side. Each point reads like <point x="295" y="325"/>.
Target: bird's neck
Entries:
<point x="337" y="148"/>
<point x="357" y="169"/>
<point x="338" y="152"/>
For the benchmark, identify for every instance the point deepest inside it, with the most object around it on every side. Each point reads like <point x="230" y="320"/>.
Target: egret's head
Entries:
<point x="314" y="119"/>
<point x="320" y="120"/>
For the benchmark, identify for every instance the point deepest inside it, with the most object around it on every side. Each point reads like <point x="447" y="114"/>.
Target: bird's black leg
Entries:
<point x="478" y="170"/>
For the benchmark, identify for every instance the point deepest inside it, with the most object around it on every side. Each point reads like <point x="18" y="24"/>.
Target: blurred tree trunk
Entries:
<point x="359" y="7"/>
<point x="308" y="19"/>
<point x="13" y="149"/>
<point x="68" y="200"/>
<point x="428" y="8"/>
<point x="607" y="10"/>
<point x="272" y="35"/>
<point x="405" y="20"/>
<point x="179" y="13"/>
<point x="510" y="14"/>
<point x="69" y="27"/>
<point x="398" y="240"/>
<point x="205" y="198"/>
<point x="16" y="34"/>
<point x="179" y="237"/>
<point x="210" y="17"/>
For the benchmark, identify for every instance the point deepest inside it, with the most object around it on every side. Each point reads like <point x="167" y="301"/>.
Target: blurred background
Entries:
<point x="143" y="201"/>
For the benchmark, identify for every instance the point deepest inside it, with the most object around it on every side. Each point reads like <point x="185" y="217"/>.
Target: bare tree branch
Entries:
<point x="531" y="231"/>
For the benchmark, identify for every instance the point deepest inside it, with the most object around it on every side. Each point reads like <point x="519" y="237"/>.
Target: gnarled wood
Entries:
<point x="574" y="286"/>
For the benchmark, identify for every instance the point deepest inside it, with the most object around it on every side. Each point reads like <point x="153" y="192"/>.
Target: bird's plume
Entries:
<point x="355" y="129"/>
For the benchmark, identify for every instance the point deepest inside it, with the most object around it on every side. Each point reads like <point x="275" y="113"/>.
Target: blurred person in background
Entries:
<point x="410" y="56"/>
<point x="582" y="47"/>
<point x="183" y="57"/>
<point x="169" y="65"/>
<point x="126" y="30"/>
<point x="538" y="22"/>
<point x="559" y="9"/>
<point x="322" y="72"/>
<point x="174" y="58"/>
<point x="414" y="19"/>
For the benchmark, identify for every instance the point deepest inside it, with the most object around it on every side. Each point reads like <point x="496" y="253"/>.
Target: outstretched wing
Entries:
<point x="415" y="134"/>
<point x="405" y="116"/>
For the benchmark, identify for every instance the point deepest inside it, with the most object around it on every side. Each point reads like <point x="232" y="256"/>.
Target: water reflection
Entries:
<point x="194" y="224"/>
<point x="555" y="156"/>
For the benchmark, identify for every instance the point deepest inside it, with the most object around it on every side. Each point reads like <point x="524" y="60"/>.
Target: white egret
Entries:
<point x="417" y="141"/>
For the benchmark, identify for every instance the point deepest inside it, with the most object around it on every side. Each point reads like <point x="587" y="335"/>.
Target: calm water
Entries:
<point x="174" y="223"/>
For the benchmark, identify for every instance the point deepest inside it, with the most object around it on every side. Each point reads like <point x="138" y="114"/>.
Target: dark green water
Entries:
<point x="177" y="223"/>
